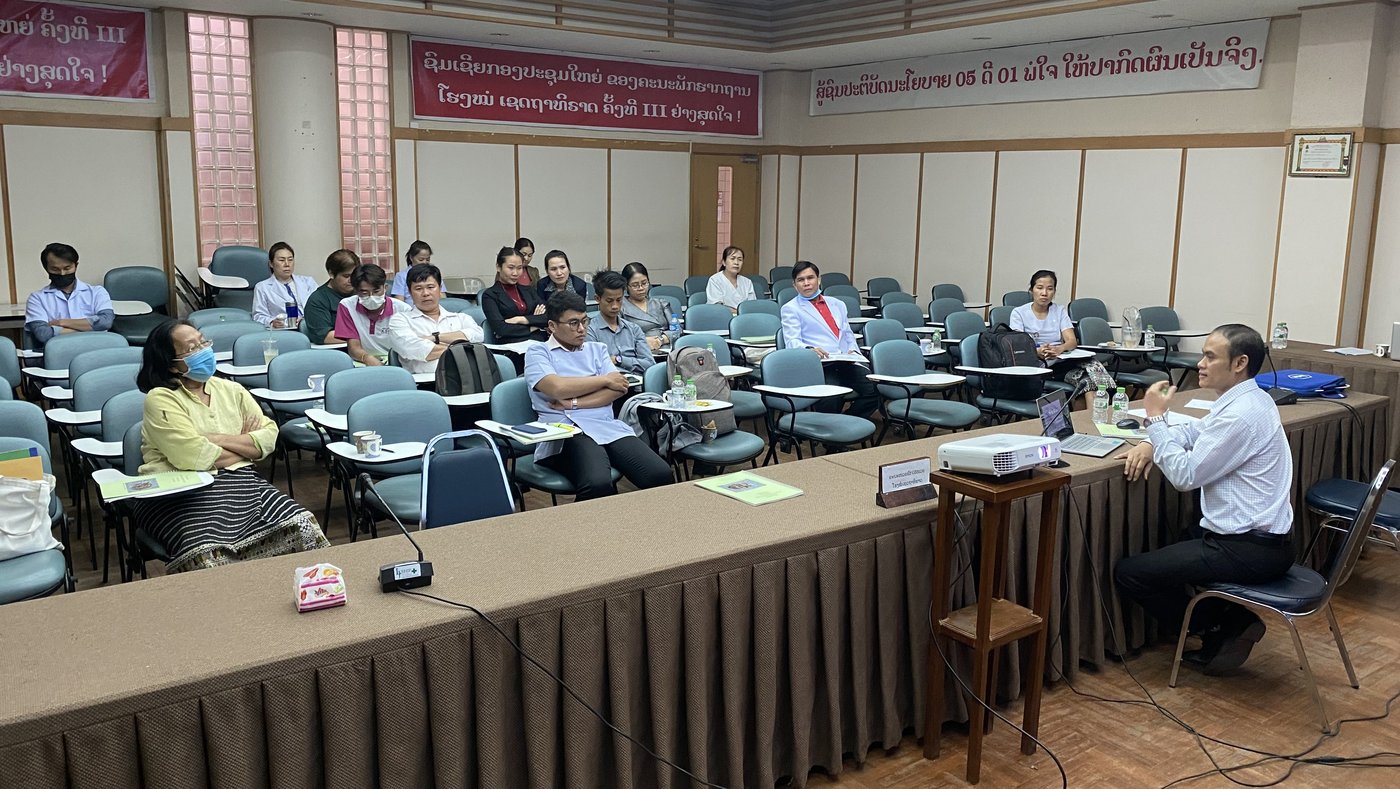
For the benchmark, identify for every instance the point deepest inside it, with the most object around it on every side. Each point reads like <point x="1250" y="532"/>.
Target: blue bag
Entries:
<point x="1305" y="383"/>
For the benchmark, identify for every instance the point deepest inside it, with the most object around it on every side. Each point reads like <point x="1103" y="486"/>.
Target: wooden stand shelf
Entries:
<point x="993" y="622"/>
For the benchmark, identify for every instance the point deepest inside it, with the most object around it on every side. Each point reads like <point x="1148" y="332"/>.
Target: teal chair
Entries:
<point x="841" y="289"/>
<point x="1173" y="358"/>
<point x="510" y="405"/>
<point x="852" y="303"/>
<point x="457" y="461"/>
<point x="785" y="294"/>
<point x="696" y="300"/>
<point x="673" y="291"/>
<point x="287" y="373"/>
<point x="224" y="335"/>
<point x="249" y="263"/>
<point x="1017" y="409"/>
<point x="948" y="291"/>
<point x="707" y="317"/>
<point x="454" y="304"/>
<point x="761" y="288"/>
<point x="695" y="284"/>
<point x="1079" y="309"/>
<point x="903" y="404"/>
<point x="790" y="419"/>
<point x="1000" y="315"/>
<point x="780" y="276"/>
<point x="61" y="350"/>
<point x="674" y="302"/>
<point x="882" y="330"/>
<point x="41" y="573"/>
<point x="1015" y="298"/>
<point x="138" y="283"/>
<point x="9" y="365"/>
<point x="655" y="379"/>
<point x="477" y="314"/>
<point x="1127" y="371"/>
<point x="763" y="306"/>
<point x="248" y="352"/>
<point x="87" y="361"/>
<point x="344" y="389"/>
<point x="907" y="314"/>
<point x="960" y="325"/>
<point x="896" y="297"/>
<point x="415" y="415"/>
<point x="835" y="278"/>
<point x="940" y="309"/>
<point x="206" y="317"/>
<point x="877" y="287"/>
<point x="730" y="449"/>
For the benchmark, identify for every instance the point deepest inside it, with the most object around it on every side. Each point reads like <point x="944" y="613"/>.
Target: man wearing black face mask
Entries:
<point x="67" y="304"/>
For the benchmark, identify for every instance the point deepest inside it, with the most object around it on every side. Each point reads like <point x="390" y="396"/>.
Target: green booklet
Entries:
<point x="749" y="488"/>
<point x="163" y="482"/>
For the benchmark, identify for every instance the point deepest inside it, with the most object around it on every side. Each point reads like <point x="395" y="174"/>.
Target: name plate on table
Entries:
<point x="905" y="482"/>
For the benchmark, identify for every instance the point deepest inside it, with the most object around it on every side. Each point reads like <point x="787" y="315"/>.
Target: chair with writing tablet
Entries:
<point x="896" y="297"/>
<point x="696" y="299"/>
<point x="780" y="276"/>
<point x="510" y="405"/>
<point x="288" y="372"/>
<point x="674" y="291"/>
<point x="764" y="306"/>
<point x="1127" y="371"/>
<point x="399" y="418"/>
<point x="1015" y="298"/>
<point x="708" y="317"/>
<point x="1079" y="309"/>
<point x="761" y="288"/>
<point x="793" y="383"/>
<point x="902" y="403"/>
<point x="876" y="287"/>
<point x="454" y="304"/>
<point x="1165" y="319"/>
<point x="38" y="574"/>
<point x="959" y="325"/>
<point x="248" y="352"/>
<point x="145" y="284"/>
<point x="842" y="290"/>
<point x="9" y="365"/>
<point x="344" y="389"/>
<point x="247" y="263"/>
<point x="1018" y="409"/>
<point x="833" y="279"/>
<point x="212" y="315"/>
<point x="907" y="313"/>
<point x="947" y="290"/>
<point x="1000" y="315"/>
<point x="785" y="294"/>
<point x="696" y="284"/>
<point x="882" y="330"/>
<point x="63" y="348"/>
<point x="940" y="309"/>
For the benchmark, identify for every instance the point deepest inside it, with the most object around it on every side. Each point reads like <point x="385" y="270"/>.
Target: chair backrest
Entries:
<point x="477" y="313"/>
<point x="454" y="304"/>
<point x="120" y="412"/>
<point x="760" y="306"/>
<point x="852" y="304"/>
<point x="785" y="294"/>
<point x="707" y="316"/>
<point x="1015" y="298"/>
<point x="7" y="393"/>
<point x="1079" y="309"/>
<point x="779" y="276"/>
<point x="940" y="309"/>
<point x="908" y="314"/>
<point x="138" y="283"/>
<point x="206" y="317"/>
<point x="1095" y="331"/>
<point x="1159" y="318"/>
<point x="696" y="284"/>
<point x="833" y="278"/>
<point x="1000" y="315"/>
<point x="1350" y="549"/>
<point x="223" y="335"/>
<point x="410" y="415"/>
<point x="131" y="449"/>
<point x="59" y="351"/>
<point x="967" y="349"/>
<point x="760" y="285"/>
<point x="674" y="291"/>
<point x="248" y="348"/>
<point x="348" y="386"/>
<point x="876" y="287"/>
<point x="510" y="401"/>
<point x="87" y="361"/>
<point x="696" y="299"/>
<point x="463" y="460"/>
<point x="840" y="289"/>
<point x="883" y="329"/>
<point x="21" y="419"/>
<point x="96" y="387"/>
<point x="674" y="303"/>
<point x="788" y="368"/>
<point x="896" y="357"/>
<point x="250" y="263"/>
<point x="9" y="362"/>
<point x="755" y="324"/>
<point x="896" y="297"/>
<point x="654" y="379"/>
<point x="701" y="341"/>
<point x="948" y="290"/>
<point x="960" y="324"/>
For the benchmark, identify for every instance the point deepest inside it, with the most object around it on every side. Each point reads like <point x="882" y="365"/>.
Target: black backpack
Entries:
<point x="1003" y="346"/>
<point x="466" y="368"/>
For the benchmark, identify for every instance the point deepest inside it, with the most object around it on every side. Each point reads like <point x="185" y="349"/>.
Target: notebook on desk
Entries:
<point x="1054" y="421"/>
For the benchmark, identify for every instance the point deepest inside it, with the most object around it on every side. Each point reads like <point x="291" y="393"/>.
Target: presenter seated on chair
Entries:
<point x="626" y="342"/>
<point x="421" y="334"/>
<point x="362" y="319"/>
<point x="1045" y="320"/>
<point x="195" y="422"/>
<point x="512" y="307"/>
<point x="811" y="321"/>
<point x="574" y="382"/>
<point x="729" y="286"/>
<point x="271" y="296"/>
<point x="67" y="304"/>
<point x="1238" y="457"/>
<point x="324" y="303"/>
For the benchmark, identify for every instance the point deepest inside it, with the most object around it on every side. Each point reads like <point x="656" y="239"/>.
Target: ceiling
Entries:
<point x="765" y="35"/>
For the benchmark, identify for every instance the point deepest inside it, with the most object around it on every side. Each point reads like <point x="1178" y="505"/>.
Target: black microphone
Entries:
<point x="401" y="575"/>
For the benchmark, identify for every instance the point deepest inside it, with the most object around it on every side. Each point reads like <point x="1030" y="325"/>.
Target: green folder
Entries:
<point x="749" y="488"/>
<point x="164" y="482"/>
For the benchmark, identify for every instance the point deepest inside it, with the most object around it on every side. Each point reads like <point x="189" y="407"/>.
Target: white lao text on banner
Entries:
<point x="1226" y="56"/>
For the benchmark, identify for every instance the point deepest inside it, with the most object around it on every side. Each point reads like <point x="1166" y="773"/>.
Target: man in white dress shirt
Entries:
<point x="1238" y="457"/>
<point x="820" y="324"/>
<point x="421" y="334"/>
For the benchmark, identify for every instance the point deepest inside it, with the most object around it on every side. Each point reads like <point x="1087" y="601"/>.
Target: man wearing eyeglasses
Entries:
<point x="573" y="381"/>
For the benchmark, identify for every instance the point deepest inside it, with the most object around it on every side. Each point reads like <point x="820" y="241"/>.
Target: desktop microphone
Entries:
<point x="400" y="575"/>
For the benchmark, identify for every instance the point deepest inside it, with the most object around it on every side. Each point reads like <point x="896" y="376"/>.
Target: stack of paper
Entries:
<point x="164" y="482"/>
<point x="749" y="488"/>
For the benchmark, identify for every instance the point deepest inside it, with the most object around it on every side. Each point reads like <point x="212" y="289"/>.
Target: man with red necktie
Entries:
<point x="818" y="323"/>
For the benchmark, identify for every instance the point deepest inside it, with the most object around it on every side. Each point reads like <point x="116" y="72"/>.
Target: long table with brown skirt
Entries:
<point x="1369" y="374"/>
<point x="746" y="644"/>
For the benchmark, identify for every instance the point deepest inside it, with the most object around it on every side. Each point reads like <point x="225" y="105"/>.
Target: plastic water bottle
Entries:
<point x="1280" y="338"/>
<point x="677" y="393"/>
<point x="1149" y="337"/>
<point x="1120" y="406"/>
<point x="675" y="324"/>
<point x="711" y="347"/>
<point x="1101" y="406"/>
<point x="690" y="393"/>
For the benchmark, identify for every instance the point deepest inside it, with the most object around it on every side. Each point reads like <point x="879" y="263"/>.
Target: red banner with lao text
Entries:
<point x="57" y="49"/>
<point x="466" y="82"/>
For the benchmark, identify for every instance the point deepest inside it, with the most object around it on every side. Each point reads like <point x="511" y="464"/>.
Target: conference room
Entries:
<point x="1173" y="165"/>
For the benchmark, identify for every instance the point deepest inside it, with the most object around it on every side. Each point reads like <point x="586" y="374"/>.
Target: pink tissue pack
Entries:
<point x="319" y="586"/>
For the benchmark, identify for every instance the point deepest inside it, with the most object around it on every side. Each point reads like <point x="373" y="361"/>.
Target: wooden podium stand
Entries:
<point x="993" y="621"/>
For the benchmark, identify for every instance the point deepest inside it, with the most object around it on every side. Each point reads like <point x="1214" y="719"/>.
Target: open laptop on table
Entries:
<point x="1055" y="422"/>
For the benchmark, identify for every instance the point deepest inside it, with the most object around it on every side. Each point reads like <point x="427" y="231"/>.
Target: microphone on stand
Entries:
<point x="400" y="575"/>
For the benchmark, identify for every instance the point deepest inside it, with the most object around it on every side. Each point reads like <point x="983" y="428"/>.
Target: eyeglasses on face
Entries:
<point x="199" y="346"/>
<point x="640" y="284"/>
<point x="576" y="323"/>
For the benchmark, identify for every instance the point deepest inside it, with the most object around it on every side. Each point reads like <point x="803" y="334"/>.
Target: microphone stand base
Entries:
<point x="405" y="575"/>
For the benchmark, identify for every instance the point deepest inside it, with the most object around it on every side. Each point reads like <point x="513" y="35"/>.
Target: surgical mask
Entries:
<point x="814" y="296"/>
<point x="201" y="365"/>
<point x="372" y="303"/>
<point x="62" y="280"/>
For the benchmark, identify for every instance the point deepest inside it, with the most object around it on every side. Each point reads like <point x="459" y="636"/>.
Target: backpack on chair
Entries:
<point x="698" y="364"/>
<point x="466" y="368"/>
<point x="1003" y="346"/>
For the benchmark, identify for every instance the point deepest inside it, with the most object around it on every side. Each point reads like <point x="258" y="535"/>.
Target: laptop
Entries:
<point x="1055" y="421"/>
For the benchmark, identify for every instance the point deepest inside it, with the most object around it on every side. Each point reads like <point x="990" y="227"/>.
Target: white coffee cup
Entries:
<point x="316" y="383"/>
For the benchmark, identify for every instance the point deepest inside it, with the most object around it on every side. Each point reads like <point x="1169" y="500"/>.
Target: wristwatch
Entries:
<point x="436" y="338"/>
<point x="1152" y="420"/>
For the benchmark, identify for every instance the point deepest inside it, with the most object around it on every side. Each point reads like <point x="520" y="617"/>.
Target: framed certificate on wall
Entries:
<point x="1321" y="155"/>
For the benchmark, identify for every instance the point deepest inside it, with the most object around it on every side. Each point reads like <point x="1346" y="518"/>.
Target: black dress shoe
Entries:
<point x="1234" y="650"/>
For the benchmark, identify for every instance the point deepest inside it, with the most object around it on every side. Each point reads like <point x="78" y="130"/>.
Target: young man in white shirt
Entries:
<point x="1239" y="458"/>
<point x="420" y="335"/>
<point x="820" y="324"/>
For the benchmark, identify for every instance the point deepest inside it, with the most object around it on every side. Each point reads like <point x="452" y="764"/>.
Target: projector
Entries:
<point x="998" y="455"/>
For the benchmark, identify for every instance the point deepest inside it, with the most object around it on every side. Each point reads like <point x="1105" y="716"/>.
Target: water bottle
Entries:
<point x="690" y="393"/>
<point x="675" y="324"/>
<point x="935" y="337"/>
<point x="293" y="315"/>
<point x="1280" y="338"/>
<point x="1120" y="406"/>
<point x="711" y="347"/>
<point x="677" y="393"/>
<point x="1101" y="406"/>
<point x="1149" y="337"/>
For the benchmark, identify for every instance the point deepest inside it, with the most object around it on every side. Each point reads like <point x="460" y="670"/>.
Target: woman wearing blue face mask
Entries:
<point x="195" y="422"/>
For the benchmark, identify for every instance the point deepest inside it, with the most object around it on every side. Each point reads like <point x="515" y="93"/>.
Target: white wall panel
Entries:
<point x="826" y="203"/>
<point x="767" y="252"/>
<point x="405" y="197"/>
<point x="955" y="223"/>
<point x="184" y="222"/>
<point x="1037" y="202"/>
<point x="887" y="201"/>
<point x="786" y="209"/>
<point x="1366" y="164"/>
<point x="1127" y="228"/>
<point x="93" y="188"/>
<point x="1383" y="309"/>
<point x="1312" y="256"/>
<point x="1229" y="220"/>
<point x="466" y="205"/>
<point x="564" y="202"/>
<point x="650" y="212"/>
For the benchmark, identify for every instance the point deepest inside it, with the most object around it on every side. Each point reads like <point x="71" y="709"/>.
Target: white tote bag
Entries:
<point x="24" y="516"/>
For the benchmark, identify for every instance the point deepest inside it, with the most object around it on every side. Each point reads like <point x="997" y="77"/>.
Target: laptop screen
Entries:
<point x="1054" y="415"/>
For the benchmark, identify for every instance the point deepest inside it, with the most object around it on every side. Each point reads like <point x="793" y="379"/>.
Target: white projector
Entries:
<point x="998" y="455"/>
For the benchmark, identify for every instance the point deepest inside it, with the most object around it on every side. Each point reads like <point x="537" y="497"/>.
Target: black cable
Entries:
<point x="565" y="686"/>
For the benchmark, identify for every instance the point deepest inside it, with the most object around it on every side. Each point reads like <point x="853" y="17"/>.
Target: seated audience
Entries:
<point x="67" y="304"/>
<point x="1045" y="320"/>
<point x="729" y="286"/>
<point x="626" y="343"/>
<point x="418" y="252"/>
<point x="421" y="333"/>
<point x="572" y="381"/>
<point x="321" y="307"/>
<point x="196" y="422"/>
<point x="272" y="295"/>
<point x="811" y="321"/>
<point x="362" y="320"/>
<point x="559" y="275"/>
<point x="652" y="316"/>
<point x="526" y="249"/>
<point x="513" y="310"/>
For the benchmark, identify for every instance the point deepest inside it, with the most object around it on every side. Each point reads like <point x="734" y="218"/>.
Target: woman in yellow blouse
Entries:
<point x="196" y="422"/>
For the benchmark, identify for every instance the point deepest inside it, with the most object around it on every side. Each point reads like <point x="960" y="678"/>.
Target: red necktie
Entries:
<point x="820" y="304"/>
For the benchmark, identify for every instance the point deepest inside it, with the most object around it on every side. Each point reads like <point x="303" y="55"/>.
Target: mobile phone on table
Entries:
<point x="529" y="428"/>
